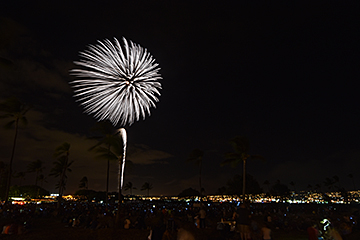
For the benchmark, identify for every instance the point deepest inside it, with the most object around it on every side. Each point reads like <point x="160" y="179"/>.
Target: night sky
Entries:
<point x="286" y="77"/>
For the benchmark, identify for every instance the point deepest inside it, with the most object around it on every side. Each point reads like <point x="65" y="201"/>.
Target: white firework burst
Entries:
<point x="118" y="83"/>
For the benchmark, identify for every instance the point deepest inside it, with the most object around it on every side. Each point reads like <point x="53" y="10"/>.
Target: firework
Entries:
<point x="118" y="83"/>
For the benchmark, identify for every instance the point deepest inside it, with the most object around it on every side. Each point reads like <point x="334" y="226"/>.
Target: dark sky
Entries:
<point x="286" y="77"/>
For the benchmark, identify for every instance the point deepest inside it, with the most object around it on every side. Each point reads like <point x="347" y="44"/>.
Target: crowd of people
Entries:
<point x="183" y="220"/>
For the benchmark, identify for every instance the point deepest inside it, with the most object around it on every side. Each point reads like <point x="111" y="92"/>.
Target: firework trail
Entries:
<point x="122" y="132"/>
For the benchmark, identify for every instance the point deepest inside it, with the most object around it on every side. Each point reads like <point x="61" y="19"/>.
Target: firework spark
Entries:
<point x="118" y="83"/>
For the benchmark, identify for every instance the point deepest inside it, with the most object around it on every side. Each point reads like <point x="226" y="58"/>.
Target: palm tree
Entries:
<point x="352" y="179"/>
<point x="115" y="153"/>
<point x="105" y="138"/>
<point x="84" y="183"/>
<point x="318" y="187"/>
<point x="203" y="192"/>
<point x="129" y="186"/>
<point x="147" y="186"/>
<point x="42" y="178"/>
<point x="36" y="167"/>
<point x="293" y="185"/>
<point x="196" y="156"/>
<point x="62" y="165"/>
<point x="241" y="148"/>
<point x="280" y="189"/>
<point x="15" y="110"/>
<point x="20" y="175"/>
<point x="309" y="187"/>
<point x="329" y="182"/>
<point x="337" y="180"/>
<point x="267" y="183"/>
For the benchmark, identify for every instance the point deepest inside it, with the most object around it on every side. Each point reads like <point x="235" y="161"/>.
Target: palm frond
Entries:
<point x="233" y="162"/>
<point x="233" y="156"/>
<point x="7" y="115"/>
<point x="195" y="156"/>
<point x="240" y="144"/>
<point x="95" y="146"/>
<point x="258" y="157"/>
<point x="105" y="154"/>
<point x="62" y="149"/>
<point x="9" y="125"/>
<point x="23" y="120"/>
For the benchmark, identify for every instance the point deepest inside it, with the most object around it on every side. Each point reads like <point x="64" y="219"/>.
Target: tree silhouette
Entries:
<point x="196" y="156"/>
<point x="15" y="110"/>
<point x="147" y="186"/>
<point x="233" y="184"/>
<point x="189" y="192"/>
<point x="84" y="183"/>
<point x="129" y="186"/>
<point x="241" y="154"/>
<point x="28" y="191"/>
<point x="318" y="187"/>
<point x="105" y="137"/>
<point x="293" y="185"/>
<point x="352" y="179"/>
<point x="337" y="180"/>
<point x="344" y="194"/>
<point x="21" y="176"/>
<point x="309" y="187"/>
<point x="36" y="167"/>
<point x="42" y="178"/>
<point x="267" y="183"/>
<point x="221" y="190"/>
<point x="115" y="153"/>
<point x="329" y="182"/>
<point x="280" y="189"/>
<point x="62" y="165"/>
